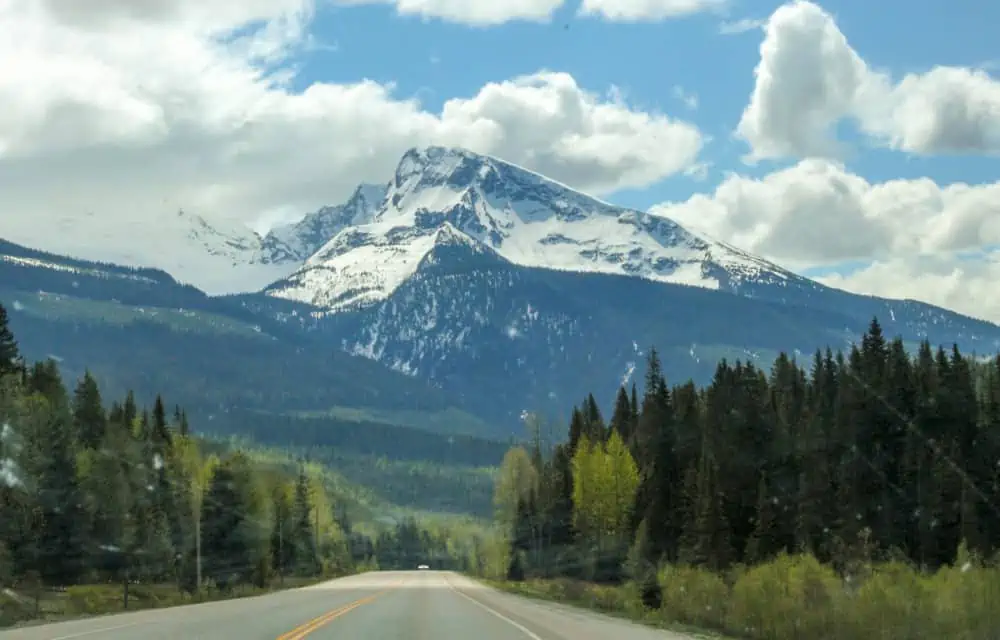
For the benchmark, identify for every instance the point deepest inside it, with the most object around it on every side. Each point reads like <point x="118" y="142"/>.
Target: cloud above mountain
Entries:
<point x="502" y="11"/>
<point x="140" y="108"/>
<point x="133" y="109"/>
<point x="810" y="79"/>
<point x="912" y="237"/>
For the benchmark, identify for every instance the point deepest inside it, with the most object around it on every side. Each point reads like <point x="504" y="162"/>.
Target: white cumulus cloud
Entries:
<point x="643" y="10"/>
<point x="133" y="110"/>
<point x="483" y="13"/>
<point x="912" y="237"/>
<point x="817" y="213"/>
<point x="470" y="12"/>
<point x="809" y="79"/>
<point x="963" y="282"/>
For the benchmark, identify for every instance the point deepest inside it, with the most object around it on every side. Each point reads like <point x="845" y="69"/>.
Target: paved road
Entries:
<point x="406" y="605"/>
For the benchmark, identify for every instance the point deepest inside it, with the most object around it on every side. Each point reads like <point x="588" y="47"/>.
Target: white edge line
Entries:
<point x="517" y="625"/>
<point x="102" y="630"/>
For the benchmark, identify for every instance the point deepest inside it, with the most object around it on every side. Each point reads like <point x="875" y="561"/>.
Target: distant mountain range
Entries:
<point x="476" y="287"/>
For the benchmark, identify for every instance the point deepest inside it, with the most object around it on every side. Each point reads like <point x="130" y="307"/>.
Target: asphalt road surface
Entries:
<point x="403" y="605"/>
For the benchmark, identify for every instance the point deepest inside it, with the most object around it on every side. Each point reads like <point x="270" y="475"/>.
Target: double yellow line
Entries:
<point x="306" y="628"/>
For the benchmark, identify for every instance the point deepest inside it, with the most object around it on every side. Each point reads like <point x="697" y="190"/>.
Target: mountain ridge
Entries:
<point x="363" y="264"/>
<point x="525" y="217"/>
<point x="300" y="240"/>
<point x="503" y="291"/>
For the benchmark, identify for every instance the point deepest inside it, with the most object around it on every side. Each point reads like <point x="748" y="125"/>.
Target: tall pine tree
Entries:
<point x="10" y="354"/>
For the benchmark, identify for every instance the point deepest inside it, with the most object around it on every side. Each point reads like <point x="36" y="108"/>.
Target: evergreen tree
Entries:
<point x="160" y="430"/>
<point x="130" y="411"/>
<point x="303" y="534"/>
<point x="107" y="485"/>
<point x="633" y="401"/>
<point x="10" y="354"/>
<point x="50" y="450"/>
<point x="594" y="427"/>
<point x="654" y="414"/>
<point x="89" y="420"/>
<point x="282" y="548"/>
<point x="226" y="552"/>
<point x="763" y="542"/>
<point x="577" y="429"/>
<point x="515" y="569"/>
<point x="45" y="379"/>
<point x="622" y="419"/>
<point x="89" y="496"/>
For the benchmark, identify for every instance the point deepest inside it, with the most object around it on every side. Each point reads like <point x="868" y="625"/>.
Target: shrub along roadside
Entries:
<point x="620" y="601"/>
<point x="797" y="598"/>
<point x="52" y="605"/>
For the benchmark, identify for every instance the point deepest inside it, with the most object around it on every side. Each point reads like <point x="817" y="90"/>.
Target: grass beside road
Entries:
<point x="798" y="598"/>
<point x="618" y="601"/>
<point x="26" y="607"/>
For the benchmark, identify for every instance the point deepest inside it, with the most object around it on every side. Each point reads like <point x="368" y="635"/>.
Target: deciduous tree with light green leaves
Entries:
<point x="605" y="481"/>
<point x="517" y="478"/>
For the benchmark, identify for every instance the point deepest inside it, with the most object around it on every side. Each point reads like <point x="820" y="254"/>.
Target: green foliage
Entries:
<point x="516" y="480"/>
<point x="605" y="480"/>
<point x="797" y="598"/>
<point x="127" y="498"/>
<point x="515" y="571"/>
<point x="206" y="353"/>
<point x="853" y="500"/>
<point x="789" y="597"/>
<point x="9" y="351"/>
<point x="60" y="307"/>
<point x="303" y="535"/>
<point x="360" y="438"/>
<point x="693" y="596"/>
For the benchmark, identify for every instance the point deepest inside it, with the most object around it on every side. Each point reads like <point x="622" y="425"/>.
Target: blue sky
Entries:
<point x="865" y="125"/>
<point x="651" y="62"/>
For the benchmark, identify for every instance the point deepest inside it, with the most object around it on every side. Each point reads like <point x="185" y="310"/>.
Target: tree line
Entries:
<point x="873" y="454"/>
<point x="94" y="493"/>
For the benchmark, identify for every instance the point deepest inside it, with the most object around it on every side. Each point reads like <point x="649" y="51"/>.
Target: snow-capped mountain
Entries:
<point x="515" y="292"/>
<point x="504" y="289"/>
<point x="526" y="218"/>
<point x="214" y="254"/>
<point x="298" y="241"/>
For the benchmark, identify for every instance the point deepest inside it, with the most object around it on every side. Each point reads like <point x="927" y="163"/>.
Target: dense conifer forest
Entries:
<point x="821" y="475"/>
<point x="111" y="493"/>
<point x="851" y="495"/>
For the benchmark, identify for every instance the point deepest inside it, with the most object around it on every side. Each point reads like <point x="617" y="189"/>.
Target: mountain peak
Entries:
<point x="300" y="240"/>
<point x="441" y="167"/>
<point x="450" y="196"/>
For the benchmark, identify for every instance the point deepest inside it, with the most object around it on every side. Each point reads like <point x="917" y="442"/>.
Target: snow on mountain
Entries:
<point x="215" y="255"/>
<point x="361" y="266"/>
<point x="299" y="240"/>
<point x="526" y="218"/>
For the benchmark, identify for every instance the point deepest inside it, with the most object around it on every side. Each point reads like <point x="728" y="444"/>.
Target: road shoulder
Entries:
<point x="582" y="611"/>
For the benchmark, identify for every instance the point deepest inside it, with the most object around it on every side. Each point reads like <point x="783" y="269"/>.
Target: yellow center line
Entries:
<point x="306" y="628"/>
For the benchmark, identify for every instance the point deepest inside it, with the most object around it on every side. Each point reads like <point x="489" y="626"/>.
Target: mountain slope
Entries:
<point x="298" y="241"/>
<point x="528" y="219"/>
<point x="531" y="221"/>
<point x="514" y="292"/>
<point x="216" y="255"/>
<point x="491" y="288"/>
<point x="139" y="329"/>
<point x="507" y="338"/>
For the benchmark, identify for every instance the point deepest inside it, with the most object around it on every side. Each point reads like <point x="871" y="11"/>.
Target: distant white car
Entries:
<point x="422" y="567"/>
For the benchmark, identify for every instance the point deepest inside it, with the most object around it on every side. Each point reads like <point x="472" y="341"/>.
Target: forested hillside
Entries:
<point x="95" y="493"/>
<point x="827" y="501"/>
